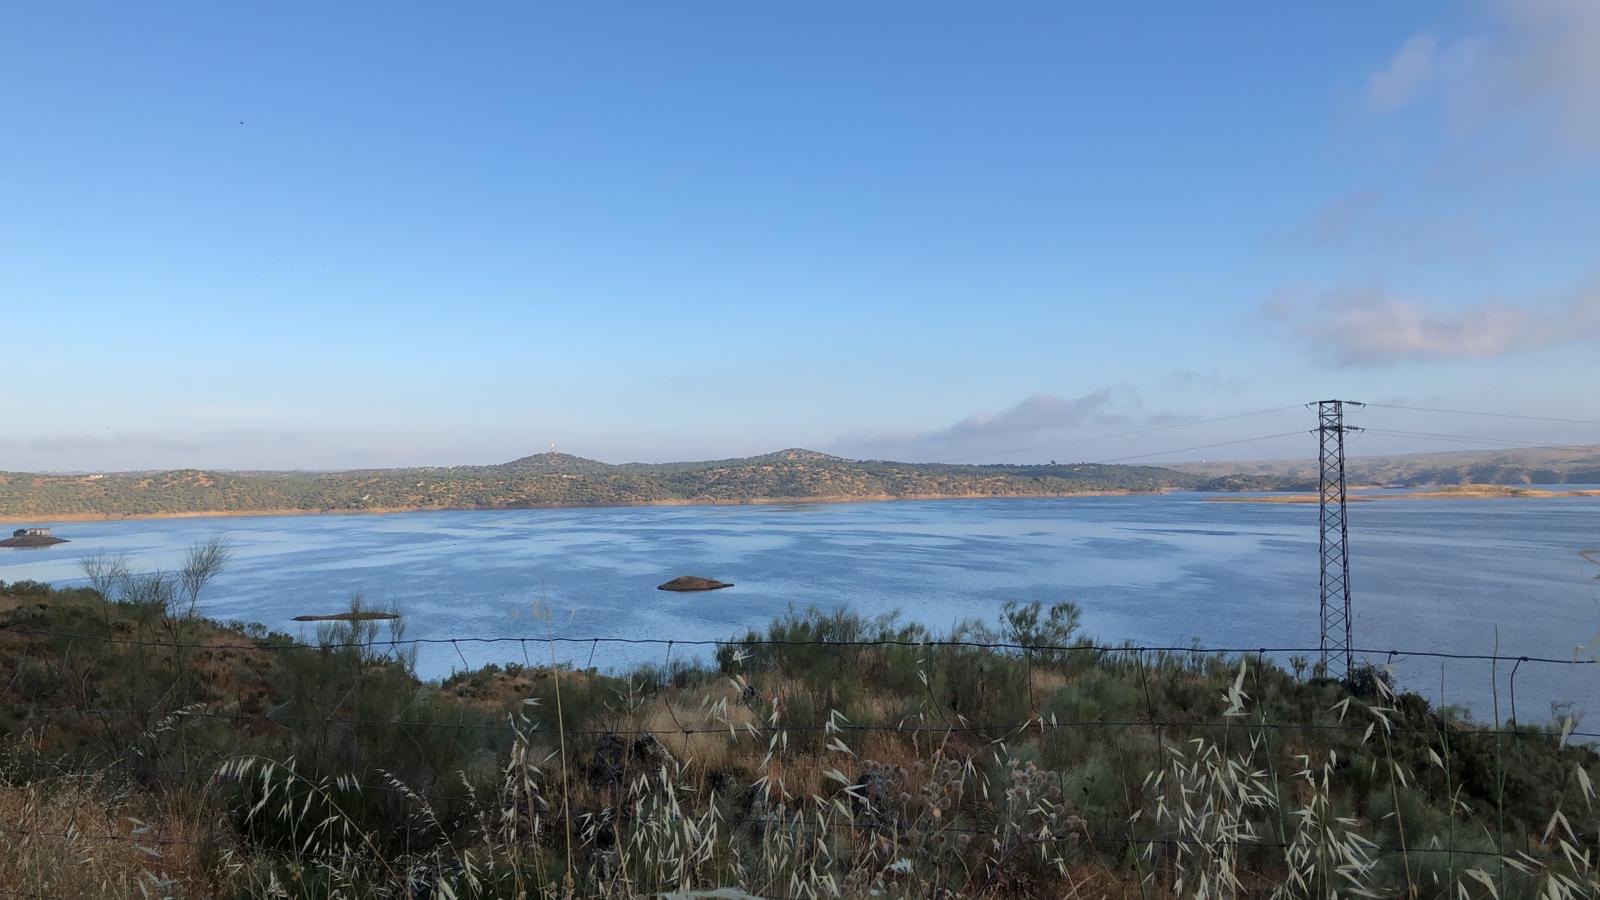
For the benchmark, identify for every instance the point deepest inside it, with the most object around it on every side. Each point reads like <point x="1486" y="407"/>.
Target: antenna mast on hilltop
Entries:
<point x="1335" y="535"/>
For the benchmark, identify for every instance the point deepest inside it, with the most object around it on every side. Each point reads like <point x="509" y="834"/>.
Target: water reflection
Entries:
<point x="1438" y="575"/>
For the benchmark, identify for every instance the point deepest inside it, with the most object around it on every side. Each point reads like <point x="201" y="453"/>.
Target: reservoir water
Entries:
<point x="1179" y="569"/>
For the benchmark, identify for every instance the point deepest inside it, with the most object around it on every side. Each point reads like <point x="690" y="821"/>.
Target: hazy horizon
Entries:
<point x="1243" y="461"/>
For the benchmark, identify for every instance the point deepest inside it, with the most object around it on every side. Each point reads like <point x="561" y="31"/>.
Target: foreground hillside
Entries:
<point x="555" y="479"/>
<point x="148" y="752"/>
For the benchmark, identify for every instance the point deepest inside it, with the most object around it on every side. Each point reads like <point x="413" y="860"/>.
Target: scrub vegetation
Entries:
<point x="556" y="479"/>
<point x="151" y="752"/>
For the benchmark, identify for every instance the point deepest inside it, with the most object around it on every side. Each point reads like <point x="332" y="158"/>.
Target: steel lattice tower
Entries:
<point x="1335" y="537"/>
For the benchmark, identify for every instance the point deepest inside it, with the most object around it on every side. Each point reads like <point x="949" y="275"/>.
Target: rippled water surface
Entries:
<point x="1177" y="569"/>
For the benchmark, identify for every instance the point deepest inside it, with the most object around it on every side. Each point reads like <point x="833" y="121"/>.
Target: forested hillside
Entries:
<point x="556" y="479"/>
<point x="560" y="479"/>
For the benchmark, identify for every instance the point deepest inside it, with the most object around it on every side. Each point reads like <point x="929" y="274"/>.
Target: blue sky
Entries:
<point x="379" y="234"/>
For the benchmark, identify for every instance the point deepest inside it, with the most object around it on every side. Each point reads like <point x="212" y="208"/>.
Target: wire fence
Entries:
<point x="1378" y="656"/>
<point x="1077" y="647"/>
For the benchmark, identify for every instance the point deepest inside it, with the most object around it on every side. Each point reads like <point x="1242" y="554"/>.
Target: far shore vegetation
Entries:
<point x="1447" y="492"/>
<point x="562" y="480"/>
<point x="556" y="479"/>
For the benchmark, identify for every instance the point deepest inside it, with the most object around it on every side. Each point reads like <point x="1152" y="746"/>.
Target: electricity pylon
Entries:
<point x="1335" y="536"/>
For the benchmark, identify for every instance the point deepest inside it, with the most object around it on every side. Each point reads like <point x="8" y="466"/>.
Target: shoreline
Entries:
<point x="1507" y="493"/>
<point x="10" y="518"/>
<point x="1355" y="496"/>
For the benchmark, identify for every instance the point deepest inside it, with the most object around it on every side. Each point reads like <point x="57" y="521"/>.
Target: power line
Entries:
<point x="1260" y="412"/>
<point x="1472" y="439"/>
<point x="1107" y="437"/>
<point x="1469" y="412"/>
<point x="1463" y="438"/>
<point x="780" y="642"/>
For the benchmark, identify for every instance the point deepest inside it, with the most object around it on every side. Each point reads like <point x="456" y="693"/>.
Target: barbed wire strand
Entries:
<point x="264" y="645"/>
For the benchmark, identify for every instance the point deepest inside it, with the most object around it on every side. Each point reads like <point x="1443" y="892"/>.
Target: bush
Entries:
<point x="26" y="588"/>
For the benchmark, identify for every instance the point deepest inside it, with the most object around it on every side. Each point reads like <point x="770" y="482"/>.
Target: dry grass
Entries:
<point x="74" y="837"/>
<point x="702" y="739"/>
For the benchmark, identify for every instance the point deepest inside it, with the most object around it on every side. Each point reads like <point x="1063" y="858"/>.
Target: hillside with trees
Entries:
<point x="559" y="479"/>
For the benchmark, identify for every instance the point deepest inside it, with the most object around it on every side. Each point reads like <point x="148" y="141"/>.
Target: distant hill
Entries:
<point x="1533" y="465"/>
<point x="560" y="463"/>
<point x="558" y="479"/>
<point x="561" y="479"/>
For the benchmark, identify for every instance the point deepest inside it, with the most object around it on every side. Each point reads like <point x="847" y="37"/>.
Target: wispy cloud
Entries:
<point x="1210" y="381"/>
<point x="1524" y="76"/>
<point x="1369" y="222"/>
<point x="1536" y="59"/>
<point x="1036" y="419"/>
<point x="1421" y="64"/>
<point x="1373" y="326"/>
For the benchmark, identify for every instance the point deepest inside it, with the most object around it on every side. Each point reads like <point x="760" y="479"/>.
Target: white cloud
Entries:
<point x="1536" y="61"/>
<point x="1553" y="59"/>
<point x="1375" y="327"/>
<point x="1036" y="420"/>
<point x="1040" y="412"/>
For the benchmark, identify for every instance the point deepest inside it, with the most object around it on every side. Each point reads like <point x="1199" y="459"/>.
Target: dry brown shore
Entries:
<point x="10" y="518"/>
<point x="1475" y="492"/>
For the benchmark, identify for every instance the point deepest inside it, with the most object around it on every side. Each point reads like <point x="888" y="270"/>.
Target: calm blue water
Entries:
<point x="1429" y="575"/>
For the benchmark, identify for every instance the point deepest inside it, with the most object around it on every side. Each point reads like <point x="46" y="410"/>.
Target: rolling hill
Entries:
<point x="561" y="479"/>
<point x="556" y="479"/>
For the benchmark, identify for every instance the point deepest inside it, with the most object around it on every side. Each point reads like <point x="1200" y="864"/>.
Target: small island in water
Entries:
<point x="693" y="583"/>
<point x="352" y="616"/>
<point x="32" y="537"/>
